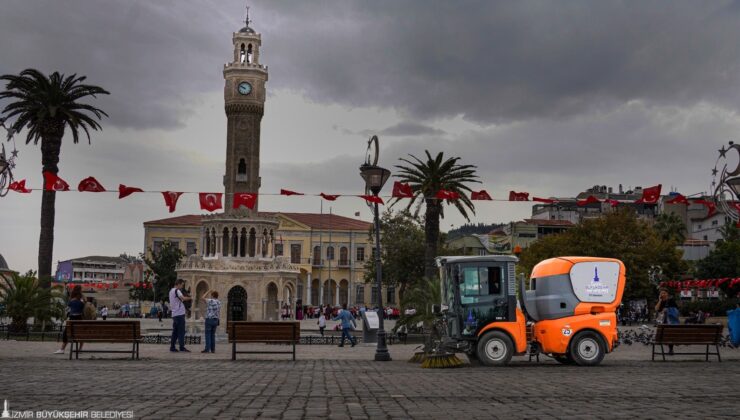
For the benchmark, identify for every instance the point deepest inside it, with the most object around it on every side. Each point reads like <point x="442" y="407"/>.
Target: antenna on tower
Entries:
<point x="246" y="20"/>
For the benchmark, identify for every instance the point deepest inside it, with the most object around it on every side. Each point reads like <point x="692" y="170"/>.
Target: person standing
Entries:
<point x="75" y="309"/>
<point x="213" y="314"/>
<point x="177" y="299"/>
<point x="667" y="307"/>
<point x="322" y="324"/>
<point x="104" y="312"/>
<point x="348" y="323"/>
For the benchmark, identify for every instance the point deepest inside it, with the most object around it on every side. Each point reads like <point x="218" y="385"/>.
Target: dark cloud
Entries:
<point x="505" y="60"/>
<point x="408" y="128"/>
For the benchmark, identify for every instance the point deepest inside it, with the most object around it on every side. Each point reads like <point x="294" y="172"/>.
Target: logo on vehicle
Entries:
<point x="567" y="332"/>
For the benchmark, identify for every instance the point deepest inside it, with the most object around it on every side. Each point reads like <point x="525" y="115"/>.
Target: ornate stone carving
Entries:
<point x="240" y="108"/>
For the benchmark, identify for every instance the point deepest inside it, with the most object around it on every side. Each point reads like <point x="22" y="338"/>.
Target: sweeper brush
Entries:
<point x="441" y="361"/>
<point x="418" y="357"/>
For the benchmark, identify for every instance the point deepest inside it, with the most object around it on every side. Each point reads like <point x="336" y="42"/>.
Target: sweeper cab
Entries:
<point x="568" y="312"/>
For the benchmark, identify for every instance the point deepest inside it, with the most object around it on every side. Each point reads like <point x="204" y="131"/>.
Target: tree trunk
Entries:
<point x="431" y="234"/>
<point x="51" y="143"/>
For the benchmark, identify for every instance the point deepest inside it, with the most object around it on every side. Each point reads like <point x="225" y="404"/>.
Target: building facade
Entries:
<point x="107" y="279"/>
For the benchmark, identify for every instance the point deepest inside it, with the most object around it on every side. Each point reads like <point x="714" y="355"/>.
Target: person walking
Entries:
<point x="177" y="299"/>
<point x="104" y="312"/>
<point x="213" y="314"/>
<point x="348" y="323"/>
<point x="75" y="309"/>
<point x="322" y="324"/>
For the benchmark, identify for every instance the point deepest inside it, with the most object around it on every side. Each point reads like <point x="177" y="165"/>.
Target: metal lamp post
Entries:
<point x="375" y="177"/>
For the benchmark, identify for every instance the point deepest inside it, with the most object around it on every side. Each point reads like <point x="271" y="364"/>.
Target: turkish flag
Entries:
<point x="329" y="196"/>
<point x="247" y="200"/>
<point x="53" y="183"/>
<point x="90" y="184"/>
<point x="19" y="186"/>
<point x="589" y="200"/>
<point x="544" y="200"/>
<point x="736" y="205"/>
<point x="447" y="195"/>
<point x="401" y="190"/>
<point x="611" y="201"/>
<point x="124" y="191"/>
<point x="210" y="201"/>
<point x="480" y="195"/>
<point x="711" y="207"/>
<point x="678" y="199"/>
<point x="170" y="199"/>
<point x="516" y="196"/>
<point x="650" y="195"/>
<point x="289" y="192"/>
<point x="372" y="199"/>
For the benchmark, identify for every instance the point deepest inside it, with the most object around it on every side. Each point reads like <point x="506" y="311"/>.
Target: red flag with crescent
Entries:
<point x="447" y="195"/>
<point x="401" y="190"/>
<point x="124" y="191"/>
<point x="650" y="195"/>
<point x="544" y="200"/>
<point x="289" y="192"/>
<point x="329" y="197"/>
<point x="480" y="195"/>
<point x="90" y="184"/>
<point x="372" y="199"/>
<point x="518" y="196"/>
<point x="53" y="183"/>
<point x="170" y="199"/>
<point x="210" y="201"/>
<point x="678" y="199"/>
<point x="247" y="200"/>
<point x="711" y="207"/>
<point x="589" y="200"/>
<point x="19" y="186"/>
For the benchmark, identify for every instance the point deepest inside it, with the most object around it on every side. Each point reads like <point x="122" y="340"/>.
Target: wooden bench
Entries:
<point x="688" y="335"/>
<point x="79" y="332"/>
<point x="263" y="332"/>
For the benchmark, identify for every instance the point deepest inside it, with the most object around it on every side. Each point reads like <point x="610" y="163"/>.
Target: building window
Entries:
<point x="295" y="253"/>
<point x="360" y="294"/>
<point x="157" y="247"/>
<point x="360" y="254"/>
<point x="391" y="295"/>
<point x="705" y="238"/>
<point x="278" y="250"/>
<point x="343" y="256"/>
<point x="699" y="227"/>
<point x="715" y="222"/>
<point x="374" y="295"/>
<point x="190" y="249"/>
<point x="316" y="255"/>
<point x="330" y="253"/>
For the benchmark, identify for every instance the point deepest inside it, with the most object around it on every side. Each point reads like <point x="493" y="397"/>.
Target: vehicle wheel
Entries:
<point x="495" y="349"/>
<point x="564" y="359"/>
<point x="587" y="349"/>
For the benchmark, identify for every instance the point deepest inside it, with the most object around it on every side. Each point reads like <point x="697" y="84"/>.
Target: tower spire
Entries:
<point x="246" y="20"/>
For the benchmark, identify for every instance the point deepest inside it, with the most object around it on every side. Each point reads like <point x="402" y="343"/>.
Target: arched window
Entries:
<point x="265" y="243"/>
<point x="316" y="255"/>
<point x="234" y="242"/>
<point x="330" y="253"/>
<point x="241" y="171"/>
<point x="243" y="243"/>
<point x="208" y="243"/>
<point x="242" y="54"/>
<point x="225" y="242"/>
<point x="252" y="242"/>
<point x="250" y="54"/>
<point x="343" y="256"/>
<point x="213" y="242"/>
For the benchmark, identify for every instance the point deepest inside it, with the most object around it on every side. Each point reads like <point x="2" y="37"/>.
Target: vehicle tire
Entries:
<point x="587" y="348"/>
<point x="494" y="349"/>
<point x="564" y="359"/>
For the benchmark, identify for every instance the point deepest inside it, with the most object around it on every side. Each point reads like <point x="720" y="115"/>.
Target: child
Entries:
<point x="322" y="323"/>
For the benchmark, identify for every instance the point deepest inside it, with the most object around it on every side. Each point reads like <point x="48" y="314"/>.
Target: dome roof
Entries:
<point x="3" y="264"/>
<point x="247" y="30"/>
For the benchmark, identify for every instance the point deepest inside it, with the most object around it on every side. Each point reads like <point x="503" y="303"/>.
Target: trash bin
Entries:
<point x="370" y="325"/>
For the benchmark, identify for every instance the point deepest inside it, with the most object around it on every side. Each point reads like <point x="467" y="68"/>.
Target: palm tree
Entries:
<point x="670" y="227"/>
<point x="46" y="106"/>
<point x="426" y="178"/>
<point x="23" y="298"/>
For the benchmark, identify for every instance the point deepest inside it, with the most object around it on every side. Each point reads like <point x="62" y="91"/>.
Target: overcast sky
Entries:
<point x="549" y="97"/>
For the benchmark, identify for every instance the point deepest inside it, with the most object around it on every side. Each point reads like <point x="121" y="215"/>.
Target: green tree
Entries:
<point x="23" y="298"/>
<point x="420" y="297"/>
<point x="670" y="227"/>
<point x="402" y="251"/>
<point x="722" y="261"/>
<point x="163" y="264"/>
<point x="618" y="235"/>
<point x="142" y="291"/>
<point x="426" y="178"/>
<point x="46" y="106"/>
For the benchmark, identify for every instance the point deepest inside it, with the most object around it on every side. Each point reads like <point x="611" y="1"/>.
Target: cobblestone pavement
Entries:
<point x="327" y="382"/>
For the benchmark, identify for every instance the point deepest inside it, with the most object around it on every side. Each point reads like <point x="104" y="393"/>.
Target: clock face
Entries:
<point x="245" y="88"/>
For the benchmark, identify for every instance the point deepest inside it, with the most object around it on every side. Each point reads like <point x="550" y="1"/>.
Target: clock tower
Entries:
<point x="244" y="96"/>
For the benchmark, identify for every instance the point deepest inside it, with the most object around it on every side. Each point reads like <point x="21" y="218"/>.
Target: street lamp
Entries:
<point x="375" y="177"/>
<point x="734" y="183"/>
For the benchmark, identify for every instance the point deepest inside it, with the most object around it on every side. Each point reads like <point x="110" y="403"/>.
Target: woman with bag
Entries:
<point x="667" y="311"/>
<point x="213" y="314"/>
